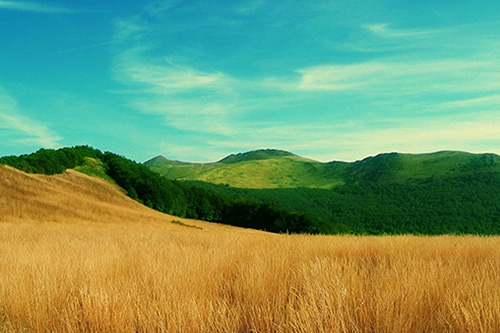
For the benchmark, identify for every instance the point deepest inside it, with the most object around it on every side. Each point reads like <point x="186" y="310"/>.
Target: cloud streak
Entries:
<point x="353" y="141"/>
<point x="31" y="7"/>
<point x="25" y="130"/>
<point x="385" y="30"/>
<point x="396" y="76"/>
<point x="164" y="76"/>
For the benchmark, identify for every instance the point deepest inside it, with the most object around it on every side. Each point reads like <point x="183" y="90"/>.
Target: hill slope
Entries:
<point x="279" y="169"/>
<point x="440" y="193"/>
<point x="77" y="255"/>
<point x="73" y="197"/>
<point x="167" y="196"/>
<point x="255" y="169"/>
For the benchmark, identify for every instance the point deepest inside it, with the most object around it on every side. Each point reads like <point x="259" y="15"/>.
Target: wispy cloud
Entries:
<point x="157" y="8"/>
<point x="250" y="7"/>
<point x="32" y="7"/>
<point x="86" y="47"/>
<point x="194" y="116"/>
<point x="356" y="140"/>
<point x="385" y="30"/>
<point x="22" y="129"/>
<point x="163" y="75"/>
<point x="493" y="100"/>
<point x="186" y="98"/>
<point x="396" y="76"/>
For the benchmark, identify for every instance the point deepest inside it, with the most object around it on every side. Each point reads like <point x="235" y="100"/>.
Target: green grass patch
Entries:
<point x="95" y="168"/>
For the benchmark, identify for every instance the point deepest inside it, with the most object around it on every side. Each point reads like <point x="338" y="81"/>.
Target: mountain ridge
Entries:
<point x="272" y="168"/>
<point x="437" y="193"/>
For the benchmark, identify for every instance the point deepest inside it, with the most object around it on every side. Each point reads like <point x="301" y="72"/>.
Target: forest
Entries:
<point x="170" y="196"/>
<point x="463" y="204"/>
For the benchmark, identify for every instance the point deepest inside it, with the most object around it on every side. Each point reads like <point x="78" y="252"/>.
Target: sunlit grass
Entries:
<point x="114" y="266"/>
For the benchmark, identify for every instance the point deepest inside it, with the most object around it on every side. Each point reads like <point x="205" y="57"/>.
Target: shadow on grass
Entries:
<point x="186" y="225"/>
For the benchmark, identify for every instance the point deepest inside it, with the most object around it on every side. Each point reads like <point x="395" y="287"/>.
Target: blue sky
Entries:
<point x="198" y="80"/>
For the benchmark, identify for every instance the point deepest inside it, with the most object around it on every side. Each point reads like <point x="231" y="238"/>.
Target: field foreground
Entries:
<point x="77" y="255"/>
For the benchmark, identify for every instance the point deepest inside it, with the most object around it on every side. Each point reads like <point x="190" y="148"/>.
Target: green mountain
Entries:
<point x="266" y="169"/>
<point x="256" y="169"/>
<point x="168" y="196"/>
<point x="438" y="193"/>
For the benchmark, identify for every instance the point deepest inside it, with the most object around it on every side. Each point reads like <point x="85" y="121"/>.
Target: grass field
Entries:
<point x="77" y="255"/>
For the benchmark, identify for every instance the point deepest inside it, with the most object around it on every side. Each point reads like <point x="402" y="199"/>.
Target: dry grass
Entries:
<point x="77" y="255"/>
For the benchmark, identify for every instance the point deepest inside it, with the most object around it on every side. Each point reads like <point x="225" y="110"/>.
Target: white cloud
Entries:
<point x="249" y="7"/>
<point x="412" y="76"/>
<point x="193" y="116"/>
<point x="158" y="8"/>
<point x="352" y="141"/>
<point x="493" y="100"/>
<point x="31" y="7"/>
<point x="24" y="130"/>
<point x="188" y="153"/>
<point x="338" y="77"/>
<point x="129" y="28"/>
<point x="384" y="30"/>
<point x="186" y="98"/>
<point x="164" y="76"/>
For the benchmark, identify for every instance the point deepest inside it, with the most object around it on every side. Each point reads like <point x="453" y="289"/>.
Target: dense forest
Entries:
<point x="460" y="204"/>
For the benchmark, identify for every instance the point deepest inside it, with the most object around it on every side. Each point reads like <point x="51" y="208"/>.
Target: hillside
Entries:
<point x="78" y="255"/>
<point x="265" y="169"/>
<point x="256" y="169"/>
<point x="168" y="196"/>
<point x="436" y="193"/>
<point x="74" y="198"/>
<point x="439" y="193"/>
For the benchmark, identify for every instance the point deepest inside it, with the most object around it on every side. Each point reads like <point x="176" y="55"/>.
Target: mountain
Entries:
<point x="256" y="169"/>
<point x="439" y="193"/>
<point x="168" y="196"/>
<point x="280" y="169"/>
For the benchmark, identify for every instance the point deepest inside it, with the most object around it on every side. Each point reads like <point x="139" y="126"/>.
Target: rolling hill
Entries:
<point x="256" y="169"/>
<point x="75" y="198"/>
<point x="265" y="169"/>
<point x="167" y="196"/>
<point x="438" y="193"/>
<point x="78" y="255"/>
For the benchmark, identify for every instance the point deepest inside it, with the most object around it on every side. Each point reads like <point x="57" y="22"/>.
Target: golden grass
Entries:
<point x="97" y="261"/>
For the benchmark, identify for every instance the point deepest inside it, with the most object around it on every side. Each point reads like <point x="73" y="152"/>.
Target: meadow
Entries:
<point x="76" y="254"/>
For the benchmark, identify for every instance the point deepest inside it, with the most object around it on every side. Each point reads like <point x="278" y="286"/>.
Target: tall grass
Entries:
<point x="139" y="272"/>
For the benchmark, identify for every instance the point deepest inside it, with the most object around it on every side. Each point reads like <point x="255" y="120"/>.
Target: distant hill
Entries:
<point x="168" y="196"/>
<point x="269" y="168"/>
<point x="256" y="169"/>
<point x="439" y="193"/>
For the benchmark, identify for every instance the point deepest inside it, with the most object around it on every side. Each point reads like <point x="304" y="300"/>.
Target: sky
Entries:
<point x="198" y="80"/>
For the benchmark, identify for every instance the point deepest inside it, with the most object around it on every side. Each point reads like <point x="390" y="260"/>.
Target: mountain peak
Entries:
<point x="260" y="154"/>
<point x="161" y="160"/>
<point x="157" y="158"/>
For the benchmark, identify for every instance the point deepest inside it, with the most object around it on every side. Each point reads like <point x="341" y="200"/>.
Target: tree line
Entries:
<point x="467" y="204"/>
<point x="169" y="196"/>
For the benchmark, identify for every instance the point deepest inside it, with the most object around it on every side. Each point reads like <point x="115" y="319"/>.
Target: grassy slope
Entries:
<point x="403" y="168"/>
<point x="258" y="169"/>
<point x="71" y="197"/>
<point x="78" y="255"/>
<point x="95" y="168"/>
<point x="277" y="169"/>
